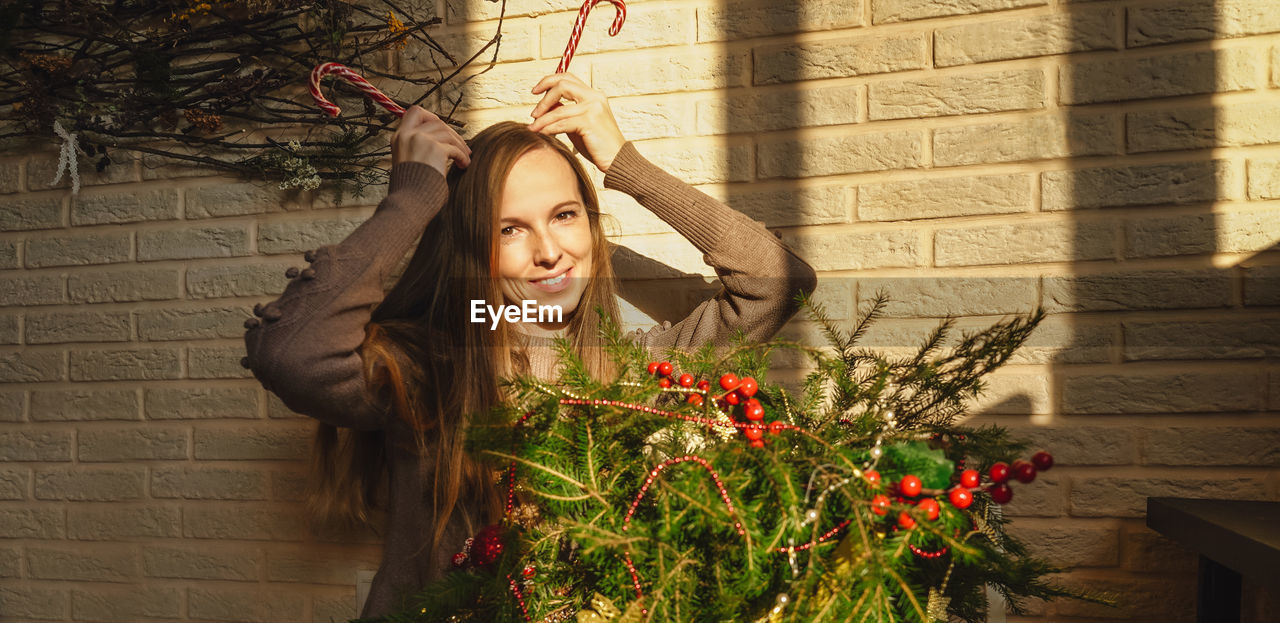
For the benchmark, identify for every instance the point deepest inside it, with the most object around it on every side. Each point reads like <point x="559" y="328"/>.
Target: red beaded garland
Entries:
<point x="776" y="427"/>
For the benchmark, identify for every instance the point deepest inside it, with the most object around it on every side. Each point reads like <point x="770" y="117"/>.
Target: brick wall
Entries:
<point x="1115" y="162"/>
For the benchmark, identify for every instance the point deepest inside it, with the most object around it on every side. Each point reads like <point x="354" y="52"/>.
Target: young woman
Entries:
<point x="515" y="219"/>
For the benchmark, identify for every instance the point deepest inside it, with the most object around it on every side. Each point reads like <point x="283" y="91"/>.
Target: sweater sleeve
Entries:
<point x="306" y="347"/>
<point x="759" y="274"/>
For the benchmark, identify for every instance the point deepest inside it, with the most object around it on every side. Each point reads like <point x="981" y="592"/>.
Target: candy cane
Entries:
<point x="342" y="71"/>
<point x="577" y="29"/>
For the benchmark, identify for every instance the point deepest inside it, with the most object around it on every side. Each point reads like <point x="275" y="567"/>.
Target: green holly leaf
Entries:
<point x="930" y="465"/>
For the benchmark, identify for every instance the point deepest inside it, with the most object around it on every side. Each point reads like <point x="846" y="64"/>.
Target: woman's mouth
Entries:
<point x="554" y="284"/>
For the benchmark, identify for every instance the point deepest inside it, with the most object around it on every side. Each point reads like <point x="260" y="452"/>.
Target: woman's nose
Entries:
<point x="547" y="249"/>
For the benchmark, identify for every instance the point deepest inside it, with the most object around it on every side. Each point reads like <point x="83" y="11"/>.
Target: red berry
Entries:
<point x="905" y="521"/>
<point x="757" y="443"/>
<point x="459" y="559"/>
<point x="1042" y="460"/>
<point x="695" y="400"/>
<point x="664" y="382"/>
<point x="686" y="380"/>
<point x="529" y="571"/>
<point x="999" y="472"/>
<point x="1001" y="493"/>
<point x="729" y="381"/>
<point x="653" y="367"/>
<point x="753" y="410"/>
<point x="960" y="497"/>
<point x="880" y="504"/>
<point x="704" y="385"/>
<point x="930" y="507"/>
<point x="733" y="397"/>
<point x="970" y="478"/>
<point x="753" y="432"/>
<point x="665" y="368"/>
<point x="748" y="387"/>
<point x="776" y="428"/>
<point x="910" y="486"/>
<point x="873" y="477"/>
<point x="1024" y="472"/>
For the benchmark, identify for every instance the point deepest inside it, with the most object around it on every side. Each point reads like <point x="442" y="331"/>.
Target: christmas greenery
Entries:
<point x="651" y="496"/>
<point x="221" y="83"/>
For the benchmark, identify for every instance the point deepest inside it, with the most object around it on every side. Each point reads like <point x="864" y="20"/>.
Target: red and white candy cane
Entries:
<point x="342" y="71"/>
<point x="577" y="29"/>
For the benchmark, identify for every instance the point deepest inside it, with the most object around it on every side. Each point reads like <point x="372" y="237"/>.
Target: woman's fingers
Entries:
<point x="558" y="87"/>
<point x="555" y="116"/>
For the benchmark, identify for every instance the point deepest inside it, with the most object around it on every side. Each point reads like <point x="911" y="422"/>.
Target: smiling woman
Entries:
<point x="515" y="219"/>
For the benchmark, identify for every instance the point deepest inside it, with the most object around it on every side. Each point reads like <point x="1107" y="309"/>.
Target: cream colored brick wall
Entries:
<point x="1115" y="162"/>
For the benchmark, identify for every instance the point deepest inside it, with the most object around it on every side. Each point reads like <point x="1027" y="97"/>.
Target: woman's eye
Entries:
<point x="568" y="213"/>
<point x="508" y="231"/>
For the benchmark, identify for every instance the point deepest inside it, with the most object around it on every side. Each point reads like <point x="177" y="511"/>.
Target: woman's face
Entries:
<point x="543" y="232"/>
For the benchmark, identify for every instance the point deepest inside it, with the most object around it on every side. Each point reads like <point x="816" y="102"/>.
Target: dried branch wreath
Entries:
<point x="219" y="83"/>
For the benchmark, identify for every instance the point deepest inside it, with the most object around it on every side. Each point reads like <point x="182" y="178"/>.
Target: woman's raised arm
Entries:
<point x="306" y="347"/>
<point x="761" y="275"/>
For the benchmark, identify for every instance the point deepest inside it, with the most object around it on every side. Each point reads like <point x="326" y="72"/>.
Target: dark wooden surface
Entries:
<point x="1242" y="535"/>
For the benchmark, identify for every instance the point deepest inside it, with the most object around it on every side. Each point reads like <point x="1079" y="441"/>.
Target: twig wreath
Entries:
<point x="220" y="83"/>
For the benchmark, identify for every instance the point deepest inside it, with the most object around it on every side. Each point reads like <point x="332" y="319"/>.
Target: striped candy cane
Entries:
<point x="346" y="73"/>
<point x="577" y="29"/>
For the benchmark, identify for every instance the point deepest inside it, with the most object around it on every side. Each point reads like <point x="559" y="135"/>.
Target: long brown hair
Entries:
<point x="433" y="367"/>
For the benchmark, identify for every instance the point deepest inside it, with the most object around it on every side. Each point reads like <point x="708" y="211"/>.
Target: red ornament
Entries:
<point x="729" y="381"/>
<point x="960" y="498"/>
<point x="873" y="477"/>
<point x="695" y="400"/>
<point x="1001" y="493"/>
<point x="529" y="572"/>
<point x="704" y="385"/>
<point x="664" y="382"/>
<point x="880" y="504"/>
<point x="775" y="428"/>
<point x="905" y="521"/>
<point x="665" y="368"/>
<point x="1042" y="460"/>
<point x="999" y="472"/>
<point x="910" y="486"/>
<point x="748" y="387"/>
<point x="930" y="507"/>
<point x="459" y="559"/>
<point x="686" y="380"/>
<point x="753" y="432"/>
<point x="487" y="548"/>
<point x="1024" y="472"/>
<point x="970" y="478"/>
<point x="653" y="367"/>
<point x="757" y="443"/>
<point x="733" y="397"/>
<point x="753" y="410"/>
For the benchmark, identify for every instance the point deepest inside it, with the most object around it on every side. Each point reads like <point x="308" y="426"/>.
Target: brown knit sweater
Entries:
<point x="306" y="349"/>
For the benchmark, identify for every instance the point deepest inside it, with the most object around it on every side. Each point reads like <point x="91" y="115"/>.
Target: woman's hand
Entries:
<point x="423" y="137"/>
<point x="587" y="120"/>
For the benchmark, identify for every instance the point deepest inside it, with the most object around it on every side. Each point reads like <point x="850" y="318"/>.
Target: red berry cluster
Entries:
<point x="960" y="496"/>
<point x="1022" y="471"/>
<point x="737" y="393"/>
